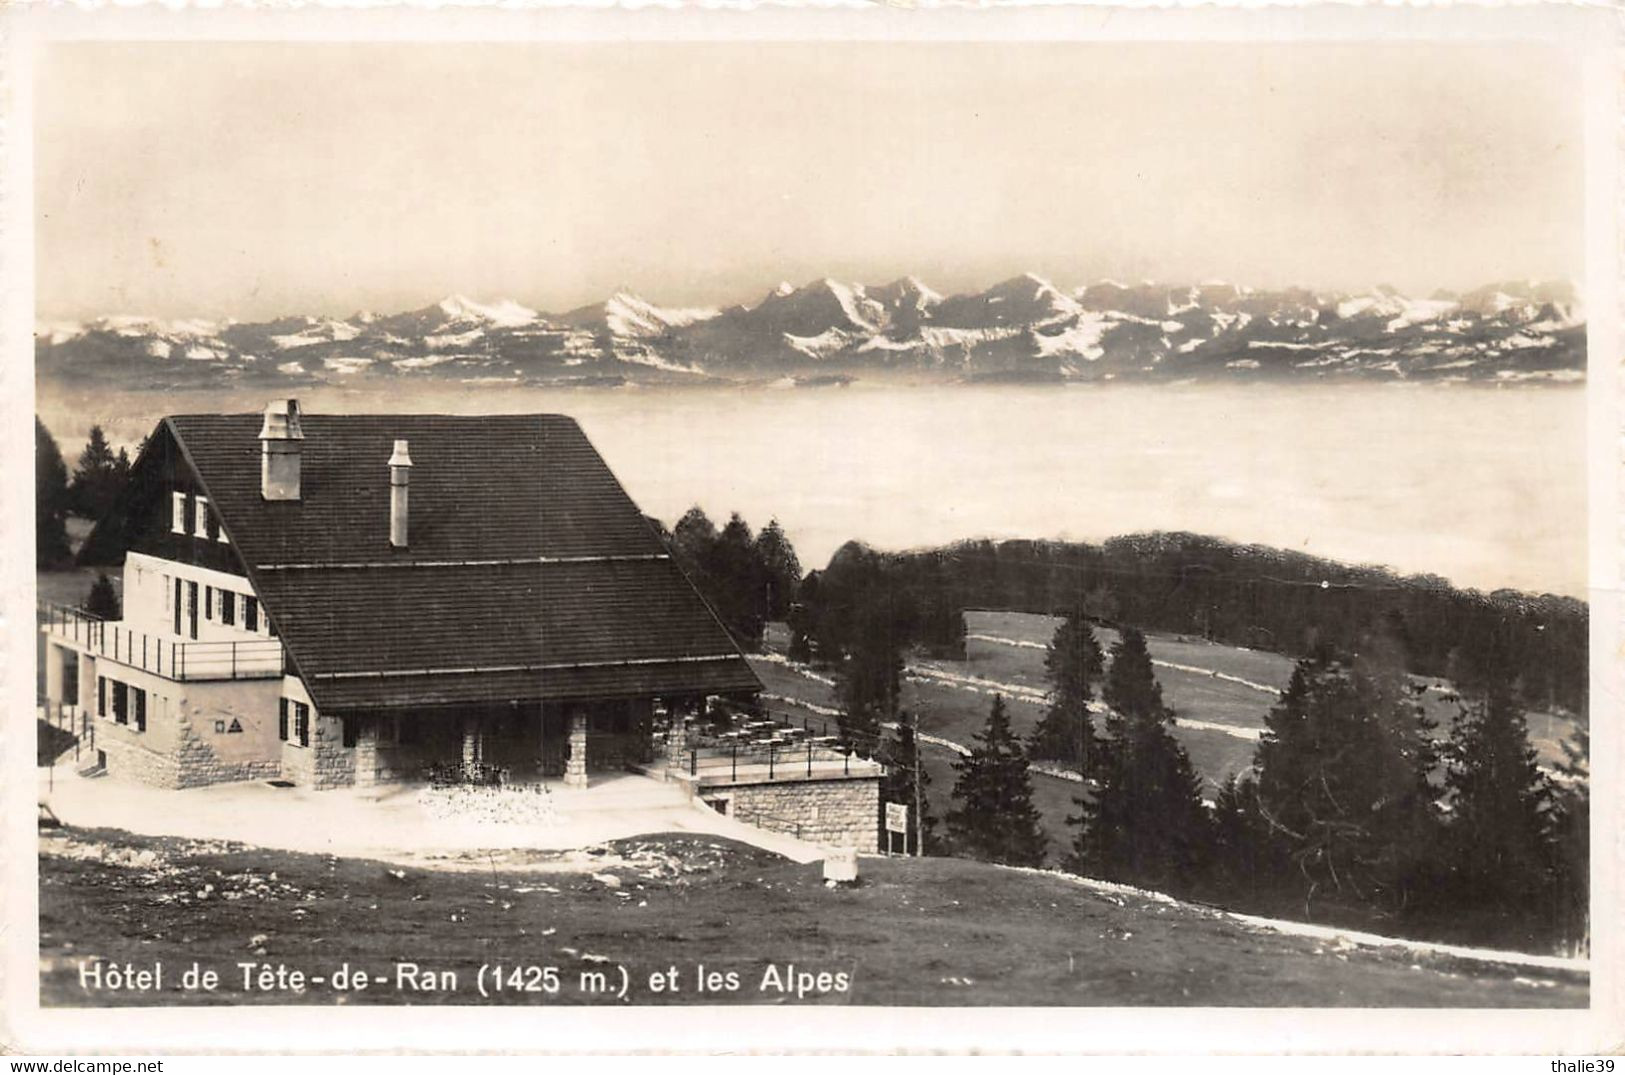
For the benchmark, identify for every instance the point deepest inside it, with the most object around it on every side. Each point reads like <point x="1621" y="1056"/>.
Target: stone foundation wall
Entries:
<point x="185" y="758"/>
<point x="326" y="763"/>
<point x="830" y="813"/>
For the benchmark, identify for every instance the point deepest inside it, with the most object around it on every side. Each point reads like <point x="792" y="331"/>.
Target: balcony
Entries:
<point x="177" y="659"/>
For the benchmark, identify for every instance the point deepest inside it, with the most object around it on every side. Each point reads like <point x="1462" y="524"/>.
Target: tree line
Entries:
<point x="1240" y="595"/>
<point x="747" y="579"/>
<point x="88" y="492"/>
<point x="1352" y="811"/>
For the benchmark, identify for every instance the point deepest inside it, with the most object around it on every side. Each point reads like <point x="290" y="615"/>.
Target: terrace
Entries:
<point x="177" y="659"/>
<point x="740" y="744"/>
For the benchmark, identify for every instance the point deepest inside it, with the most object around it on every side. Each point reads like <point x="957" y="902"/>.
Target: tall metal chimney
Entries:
<point x="400" y="477"/>
<point x="279" y="450"/>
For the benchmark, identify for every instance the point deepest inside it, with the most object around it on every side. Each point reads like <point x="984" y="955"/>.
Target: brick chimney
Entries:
<point x="279" y="450"/>
<point x="400" y="477"/>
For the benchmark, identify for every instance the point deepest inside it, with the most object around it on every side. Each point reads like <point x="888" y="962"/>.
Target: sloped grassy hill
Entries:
<point x="915" y="932"/>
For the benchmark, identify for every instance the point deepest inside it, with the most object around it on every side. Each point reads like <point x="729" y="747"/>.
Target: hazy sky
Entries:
<point x="255" y="180"/>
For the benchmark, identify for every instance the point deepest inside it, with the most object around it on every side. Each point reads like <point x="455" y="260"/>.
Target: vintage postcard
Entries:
<point x="793" y="529"/>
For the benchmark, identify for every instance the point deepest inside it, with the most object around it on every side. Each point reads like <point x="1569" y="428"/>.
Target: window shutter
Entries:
<point x="282" y="719"/>
<point x="251" y="613"/>
<point x="208" y="602"/>
<point x="228" y="608"/>
<point x="177" y="606"/>
<point x="140" y="709"/>
<point x="101" y="696"/>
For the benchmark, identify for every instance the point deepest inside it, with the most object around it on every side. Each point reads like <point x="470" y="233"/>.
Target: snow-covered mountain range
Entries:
<point x="1023" y="329"/>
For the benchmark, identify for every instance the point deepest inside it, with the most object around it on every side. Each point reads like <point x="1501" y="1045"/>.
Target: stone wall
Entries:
<point x="197" y="733"/>
<point x="326" y="763"/>
<point x="186" y="760"/>
<point x="830" y="813"/>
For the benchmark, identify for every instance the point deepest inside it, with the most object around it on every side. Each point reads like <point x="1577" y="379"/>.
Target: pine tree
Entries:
<point x="801" y="619"/>
<point x="1240" y="845"/>
<point x="1343" y="785"/>
<point x="868" y="685"/>
<point x="907" y="782"/>
<point x="691" y="542"/>
<point x="50" y="501"/>
<point x="97" y="478"/>
<point x="1145" y="822"/>
<point x="1072" y="664"/>
<point x="1572" y="835"/>
<point x="781" y="571"/>
<point x="736" y="574"/>
<point x="994" y="817"/>
<point x="1500" y="832"/>
<point x="103" y="599"/>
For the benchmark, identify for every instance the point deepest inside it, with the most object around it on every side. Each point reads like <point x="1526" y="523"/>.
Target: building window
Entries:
<point x="251" y="613"/>
<point x="200" y="517"/>
<point x="301" y="723"/>
<point x="121" y="703"/>
<point x="101" y="696"/>
<point x="220" y="533"/>
<point x="191" y="608"/>
<point x="228" y="608"/>
<point x="140" y="707"/>
<point x="177" y="512"/>
<point x="282" y="719"/>
<point x="349" y="730"/>
<point x="270" y="628"/>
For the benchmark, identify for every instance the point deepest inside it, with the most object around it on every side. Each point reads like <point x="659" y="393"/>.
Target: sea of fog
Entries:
<point x="1484" y="486"/>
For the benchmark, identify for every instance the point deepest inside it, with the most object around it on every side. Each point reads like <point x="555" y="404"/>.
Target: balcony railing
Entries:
<point x="259" y="658"/>
<point x="748" y="741"/>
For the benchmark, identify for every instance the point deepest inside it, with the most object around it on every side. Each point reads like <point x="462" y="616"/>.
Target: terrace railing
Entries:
<point x="178" y="659"/>
<point x="754" y="743"/>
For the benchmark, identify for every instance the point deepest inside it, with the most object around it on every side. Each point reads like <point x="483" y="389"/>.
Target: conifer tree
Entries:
<point x="1500" y="832"/>
<point x="50" y="501"/>
<point x="97" y="478"/>
<point x="1343" y="784"/>
<point x="103" y="599"/>
<point x="907" y="782"/>
<point x="1240" y="845"/>
<point x="1145" y="821"/>
<point x="781" y="571"/>
<point x="1072" y="664"/>
<point x="868" y="684"/>
<point x="1572" y="834"/>
<point x="737" y="579"/>
<point x="993" y="817"/>
<point x="801" y="619"/>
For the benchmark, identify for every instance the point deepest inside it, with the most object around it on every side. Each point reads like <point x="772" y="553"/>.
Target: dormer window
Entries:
<point x="200" y="517"/>
<point x="177" y="509"/>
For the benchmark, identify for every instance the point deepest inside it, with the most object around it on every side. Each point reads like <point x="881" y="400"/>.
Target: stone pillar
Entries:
<point x="366" y="753"/>
<point x="677" y="736"/>
<point x="575" y="769"/>
<point x="640" y="730"/>
<point x="55" y="673"/>
<point x="472" y="752"/>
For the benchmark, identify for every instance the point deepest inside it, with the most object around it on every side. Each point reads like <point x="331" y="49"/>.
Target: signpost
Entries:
<point x="896" y="824"/>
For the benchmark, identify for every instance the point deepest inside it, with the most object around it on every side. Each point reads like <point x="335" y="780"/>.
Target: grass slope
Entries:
<point x="916" y="932"/>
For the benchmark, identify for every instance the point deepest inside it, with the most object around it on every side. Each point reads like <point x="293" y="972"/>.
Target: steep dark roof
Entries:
<point x="530" y="574"/>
